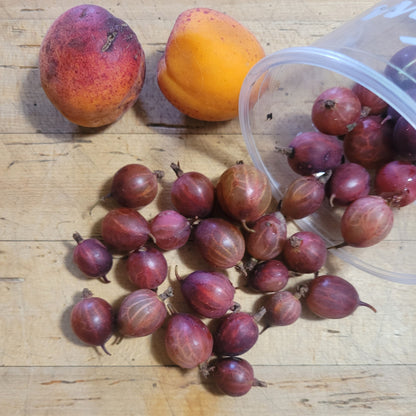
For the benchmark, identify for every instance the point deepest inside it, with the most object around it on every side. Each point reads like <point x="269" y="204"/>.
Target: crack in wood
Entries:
<point x="33" y="10"/>
<point x="19" y="66"/>
<point x="363" y="401"/>
<point x="29" y="46"/>
<point x="14" y="162"/>
<point x="48" y="383"/>
<point x="12" y="279"/>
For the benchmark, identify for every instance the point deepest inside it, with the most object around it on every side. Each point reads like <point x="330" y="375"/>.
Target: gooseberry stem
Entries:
<point x="361" y="303"/>
<point x="259" y="383"/>
<point x="77" y="237"/>
<point x="246" y="227"/>
<point x="177" y="169"/>
<point x="105" y="349"/>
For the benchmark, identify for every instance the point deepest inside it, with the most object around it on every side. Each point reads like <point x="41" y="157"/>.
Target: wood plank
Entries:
<point x="299" y="11"/>
<point x="291" y="390"/>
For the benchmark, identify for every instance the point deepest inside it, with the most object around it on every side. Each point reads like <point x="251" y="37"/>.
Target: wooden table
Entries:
<point x="52" y="172"/>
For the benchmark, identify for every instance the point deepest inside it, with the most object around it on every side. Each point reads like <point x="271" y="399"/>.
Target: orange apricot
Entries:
<point x="207" y="56"/>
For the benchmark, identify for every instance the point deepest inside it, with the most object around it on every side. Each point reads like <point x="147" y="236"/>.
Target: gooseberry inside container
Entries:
<point x="275" y="105"/>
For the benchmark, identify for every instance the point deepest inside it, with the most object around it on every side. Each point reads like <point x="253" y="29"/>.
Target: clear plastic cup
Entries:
<point x="275" y="105"/>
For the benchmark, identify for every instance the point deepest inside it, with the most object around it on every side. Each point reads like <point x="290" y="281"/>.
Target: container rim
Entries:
<point x="357" y="72"/>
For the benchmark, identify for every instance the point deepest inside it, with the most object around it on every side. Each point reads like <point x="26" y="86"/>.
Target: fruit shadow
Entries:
<point x="190" y="257"/>
<point x="120" y="274"/>
<point x="156" y="112"/>
<point x="153" y="108"/>
<point x="208" y="383"/>
<point x="210" y="386"/>
<point x="65" y="321"/>
<point x="105" y="202"/>
<point x="44" y="116"/>
<point x="163" y="199"/>
<point x="157" y="346"/>
<point x="332" y="263"/>
<point x="104" y="197"/>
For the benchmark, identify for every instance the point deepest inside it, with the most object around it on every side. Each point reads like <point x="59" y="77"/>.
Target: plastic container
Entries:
<point x="275" y="105"/>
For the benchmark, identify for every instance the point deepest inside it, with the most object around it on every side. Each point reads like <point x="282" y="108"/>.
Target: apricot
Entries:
<point x="92" y="66"/>
<point x="207" y="56"/>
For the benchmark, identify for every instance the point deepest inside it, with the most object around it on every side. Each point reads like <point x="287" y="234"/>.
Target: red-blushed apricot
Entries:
<point x="207" y="57"/>
<point x="92" y="66"/>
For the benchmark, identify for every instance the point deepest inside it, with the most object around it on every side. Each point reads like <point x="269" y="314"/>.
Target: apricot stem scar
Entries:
<point x="110" y="39"/>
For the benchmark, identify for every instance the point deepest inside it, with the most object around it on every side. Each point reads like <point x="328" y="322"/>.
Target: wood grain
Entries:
<point x="52" y="172"/>
<point x="311" y="390"/>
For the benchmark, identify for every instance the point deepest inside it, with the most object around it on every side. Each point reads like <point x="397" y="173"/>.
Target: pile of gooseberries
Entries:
<point x="233" y="224"/>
